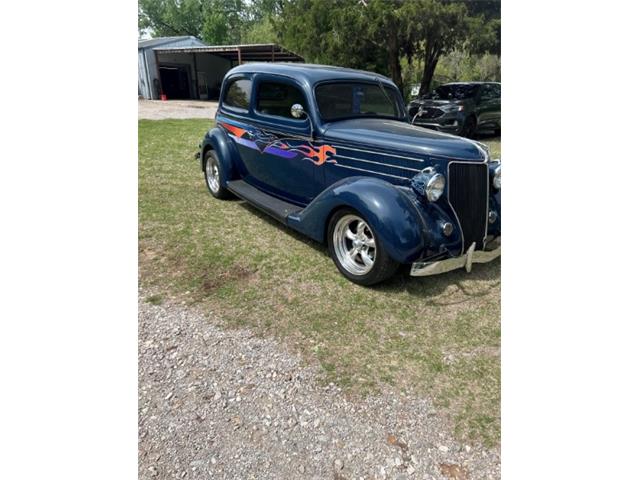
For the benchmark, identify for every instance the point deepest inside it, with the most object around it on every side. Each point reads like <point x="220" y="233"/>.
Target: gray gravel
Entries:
<point x="219" y="403"/>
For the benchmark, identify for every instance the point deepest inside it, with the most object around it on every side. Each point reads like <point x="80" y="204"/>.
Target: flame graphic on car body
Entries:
<point x="237" y="131"/>
<point x="321" y="153"/>
<point x="265" y="143"/>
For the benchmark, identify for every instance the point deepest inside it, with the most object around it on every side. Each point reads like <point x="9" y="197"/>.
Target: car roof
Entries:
<point x="472" y="83"/>
<point x="310" y="72"/>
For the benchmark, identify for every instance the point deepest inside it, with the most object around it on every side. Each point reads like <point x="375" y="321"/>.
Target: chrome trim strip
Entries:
<point x="378" y="152"/>
<point x="431" y="124"/>
<point x="486" y="218"/>
<point x="378" y="163"/>
<point x="369" y="171"/>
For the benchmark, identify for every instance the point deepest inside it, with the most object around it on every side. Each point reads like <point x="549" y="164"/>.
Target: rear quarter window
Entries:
<point x="238" y="94"/>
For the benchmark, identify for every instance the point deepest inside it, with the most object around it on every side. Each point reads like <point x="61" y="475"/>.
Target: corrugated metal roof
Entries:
<point x="155" y="42"/>
<point x="248" y="53"/>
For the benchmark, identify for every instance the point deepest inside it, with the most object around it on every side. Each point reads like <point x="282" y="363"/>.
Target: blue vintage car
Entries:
<point x="330" y="153"/>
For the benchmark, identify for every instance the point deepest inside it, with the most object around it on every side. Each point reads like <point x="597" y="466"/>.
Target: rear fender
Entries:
<point x="226" y="151"/>
<point x="391" y="213"/>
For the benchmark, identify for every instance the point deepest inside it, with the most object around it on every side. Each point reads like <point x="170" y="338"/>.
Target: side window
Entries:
<point x="276" y="99"/>
<point x="238" y="94"/>
<point x="486" y="93"/>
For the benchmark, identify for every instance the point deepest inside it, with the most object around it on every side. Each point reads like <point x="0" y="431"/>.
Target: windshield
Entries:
<point x="453" y="92"/>
<point x="337" y="101"/>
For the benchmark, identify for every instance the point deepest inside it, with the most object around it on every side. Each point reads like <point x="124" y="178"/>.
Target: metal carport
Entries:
<point x="198" y="70"/>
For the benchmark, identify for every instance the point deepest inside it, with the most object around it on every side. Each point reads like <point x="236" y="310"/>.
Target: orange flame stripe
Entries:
<point x="237" y="131"/>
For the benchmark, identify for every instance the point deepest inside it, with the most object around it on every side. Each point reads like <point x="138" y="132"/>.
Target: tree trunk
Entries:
<point x="431" y="57"/>
<point x="393" y="57"/>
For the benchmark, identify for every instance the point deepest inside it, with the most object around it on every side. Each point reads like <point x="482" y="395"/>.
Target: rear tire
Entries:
<point x="213" y="176"/>
<point x="356" y="250"/>
<point x="469" y="127"/>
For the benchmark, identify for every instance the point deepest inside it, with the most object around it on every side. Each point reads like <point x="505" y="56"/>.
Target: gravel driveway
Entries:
<point x="159" y="110"/>
<point x="218" y="403"/>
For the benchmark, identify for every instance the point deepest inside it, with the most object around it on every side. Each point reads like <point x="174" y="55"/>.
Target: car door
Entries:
<point x="287" y="163"/>
<point x="277" y="154"/>
<point x="488" y="106"/>
<point x="497" y="115"/>
<point x="483" y="107"/>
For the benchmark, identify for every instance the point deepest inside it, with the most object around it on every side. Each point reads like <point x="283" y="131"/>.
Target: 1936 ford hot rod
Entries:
<point x="330" y="152"/>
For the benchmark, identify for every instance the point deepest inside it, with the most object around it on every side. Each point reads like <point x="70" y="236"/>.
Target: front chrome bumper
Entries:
<point x="422" y="269"/>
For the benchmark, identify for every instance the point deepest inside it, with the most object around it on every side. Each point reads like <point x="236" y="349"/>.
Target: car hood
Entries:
<point x="435" y="103"/>
<point x="401" y="137"/>
<point x="427" y="102"/>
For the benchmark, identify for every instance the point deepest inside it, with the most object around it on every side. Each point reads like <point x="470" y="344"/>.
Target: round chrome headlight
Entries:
<point x="434" y="188"/>
<point x="497" y="177"/>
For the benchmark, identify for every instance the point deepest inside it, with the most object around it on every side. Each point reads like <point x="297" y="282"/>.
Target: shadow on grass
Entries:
<point x="488" y="136"/>
<point x="283" y="228"/>
<point x="434" y="286"/>
<point x="402" y="281"/>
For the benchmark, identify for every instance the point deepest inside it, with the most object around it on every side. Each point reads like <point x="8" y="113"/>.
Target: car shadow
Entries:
<point x="282" y="227"/>
<point x="488" y="136"/>
<point x="486" y="277"/>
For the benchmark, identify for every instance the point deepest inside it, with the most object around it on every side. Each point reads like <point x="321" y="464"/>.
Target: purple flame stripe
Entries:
<point x="280" y="152"/>
<point x="246" y="143"/>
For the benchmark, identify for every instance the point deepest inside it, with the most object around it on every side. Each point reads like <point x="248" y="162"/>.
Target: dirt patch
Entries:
<point x="236" y="273"/>
<point x="159" y="110"/>
<point x="454" y="472"/>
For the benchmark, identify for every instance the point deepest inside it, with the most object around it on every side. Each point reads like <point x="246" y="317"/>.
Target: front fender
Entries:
<point x="494" y="204"/>
<point x="391" y="213"/>
<point x="227" y="153"/>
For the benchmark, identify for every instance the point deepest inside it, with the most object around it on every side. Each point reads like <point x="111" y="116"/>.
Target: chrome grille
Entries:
<point x="431" y="112"/>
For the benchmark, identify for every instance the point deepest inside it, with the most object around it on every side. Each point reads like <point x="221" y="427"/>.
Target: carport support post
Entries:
<point x="195" y="67"/>
<point x="155" y="54"/>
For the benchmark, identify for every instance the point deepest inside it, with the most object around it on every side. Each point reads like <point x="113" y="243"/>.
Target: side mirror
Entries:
<point x="297" y="111"/>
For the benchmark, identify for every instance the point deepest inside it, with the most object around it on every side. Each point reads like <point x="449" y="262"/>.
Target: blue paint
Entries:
<point x="366" y="164"/>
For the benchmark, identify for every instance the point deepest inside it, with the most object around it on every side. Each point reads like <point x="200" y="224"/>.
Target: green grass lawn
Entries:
<point x="437" y="336"/>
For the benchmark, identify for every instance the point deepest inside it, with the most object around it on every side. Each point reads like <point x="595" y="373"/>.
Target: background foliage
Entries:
<point x="411" y="41"/>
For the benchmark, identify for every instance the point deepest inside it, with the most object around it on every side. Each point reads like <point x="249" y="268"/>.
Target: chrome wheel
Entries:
<point x="213" y="175"/>
<point x="354" y="245"/>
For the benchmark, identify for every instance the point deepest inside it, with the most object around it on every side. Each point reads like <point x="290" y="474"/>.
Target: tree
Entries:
<point x="172" y="17"/>
<point x="261" y="20"/>
<point x="436" y="28"/>
<point x="485" y="18"/>
<point x="385" y="26"/>
<point x="224" y="22"/>
<point x="213" y="21"/>
<point x="365" y="35"/>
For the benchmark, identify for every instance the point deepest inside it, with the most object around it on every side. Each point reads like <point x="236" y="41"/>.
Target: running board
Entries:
<point x="269" y="204"/>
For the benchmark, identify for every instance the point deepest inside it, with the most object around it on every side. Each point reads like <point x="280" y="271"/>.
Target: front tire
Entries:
<point x="356" y="249"/>
<point x="213" y="176"/>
